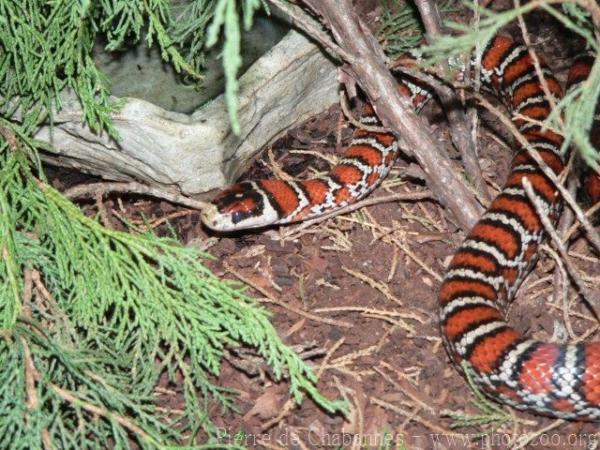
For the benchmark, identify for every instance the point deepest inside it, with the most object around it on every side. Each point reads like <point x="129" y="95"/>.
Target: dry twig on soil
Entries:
<point x="547" y="223"/>
<point x="95" y="189"/>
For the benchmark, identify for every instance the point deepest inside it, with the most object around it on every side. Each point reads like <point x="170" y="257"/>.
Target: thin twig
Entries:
<point x="387" y="235"/>
<point x="547" y="223"/>
<point x="31" y="377"/>
<point x="372" y="311"/>
<point x="594" y="9"/>
<point x="174" y="215"/>
<point x="355" y="122"/>
<point x="271" y="299"/>
<point x="10" y="137"/>
<point x="401" y="196"/>
<point x="560" y="278"/>
<point x="561" y="289"/>
<point x="460" y="132"/>
<point x="430" y="15"/>
<point x="416" y="259"/>
<point x="287" y="408"/>
<point x="297" y="16"/>
<point x="408" y="390"/>
<point x="589" y="213"/>
<point x="104" y="217"/>
<point x="428" y="424"/>
<point x="275" y="168"/>
<point x="93" y="189"/>
<point x="534" y="58"/>
<point x="127" y="423"/>
<point x="377" y="285"/>
<point x="328" y="356"/>
<point x="524" y="440"/>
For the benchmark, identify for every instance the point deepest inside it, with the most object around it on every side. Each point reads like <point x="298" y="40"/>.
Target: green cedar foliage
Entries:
<point x="199" y="25"/>
<point x="93" y="320"/>
<point x="401" y="29"/>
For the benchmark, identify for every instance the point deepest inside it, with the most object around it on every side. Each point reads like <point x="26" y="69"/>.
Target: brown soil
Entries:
<point x="376" y="273"/>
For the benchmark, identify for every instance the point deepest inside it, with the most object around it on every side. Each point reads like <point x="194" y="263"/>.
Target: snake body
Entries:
<point x="487" y="269"/>
<point x="366" y="161"/>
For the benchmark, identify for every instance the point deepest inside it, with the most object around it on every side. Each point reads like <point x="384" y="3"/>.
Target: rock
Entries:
<point x="196" y="153"/>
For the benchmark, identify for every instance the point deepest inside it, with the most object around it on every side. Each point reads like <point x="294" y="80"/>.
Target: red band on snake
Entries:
<point x="487" y="269"/>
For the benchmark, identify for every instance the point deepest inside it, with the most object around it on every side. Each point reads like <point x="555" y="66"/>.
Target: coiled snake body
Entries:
<point x="557" y="380"/>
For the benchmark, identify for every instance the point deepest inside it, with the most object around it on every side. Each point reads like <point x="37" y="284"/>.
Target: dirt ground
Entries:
<point x="362" y="288"/>
<point x="359" y="293"/>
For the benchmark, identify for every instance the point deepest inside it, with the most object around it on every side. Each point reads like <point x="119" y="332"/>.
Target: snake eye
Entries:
<point x="239" y="195"/>
<point x="238" y="216"/>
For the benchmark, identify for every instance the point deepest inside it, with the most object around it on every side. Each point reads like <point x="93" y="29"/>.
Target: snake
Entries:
<point x="552" y="379"/>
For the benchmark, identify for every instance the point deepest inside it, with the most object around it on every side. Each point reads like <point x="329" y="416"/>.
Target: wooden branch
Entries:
<point x="590" y="299"/>
<point x="430" y="15"/>
<point x="297" y="16"/>
<point x="367" y="66"/>
<point x="101" y="189"/>
<point x="371" y="200"/>
<point x="460" y="131"/>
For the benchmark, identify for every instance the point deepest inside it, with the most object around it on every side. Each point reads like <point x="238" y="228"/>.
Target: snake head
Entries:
<point x="237" y="207"/>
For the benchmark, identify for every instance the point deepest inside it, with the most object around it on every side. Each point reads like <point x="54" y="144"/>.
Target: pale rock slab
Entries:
<point x="196" y="153"/>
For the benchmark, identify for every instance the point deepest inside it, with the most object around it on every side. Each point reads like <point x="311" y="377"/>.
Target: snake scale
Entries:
<point x="487" y="269"/>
